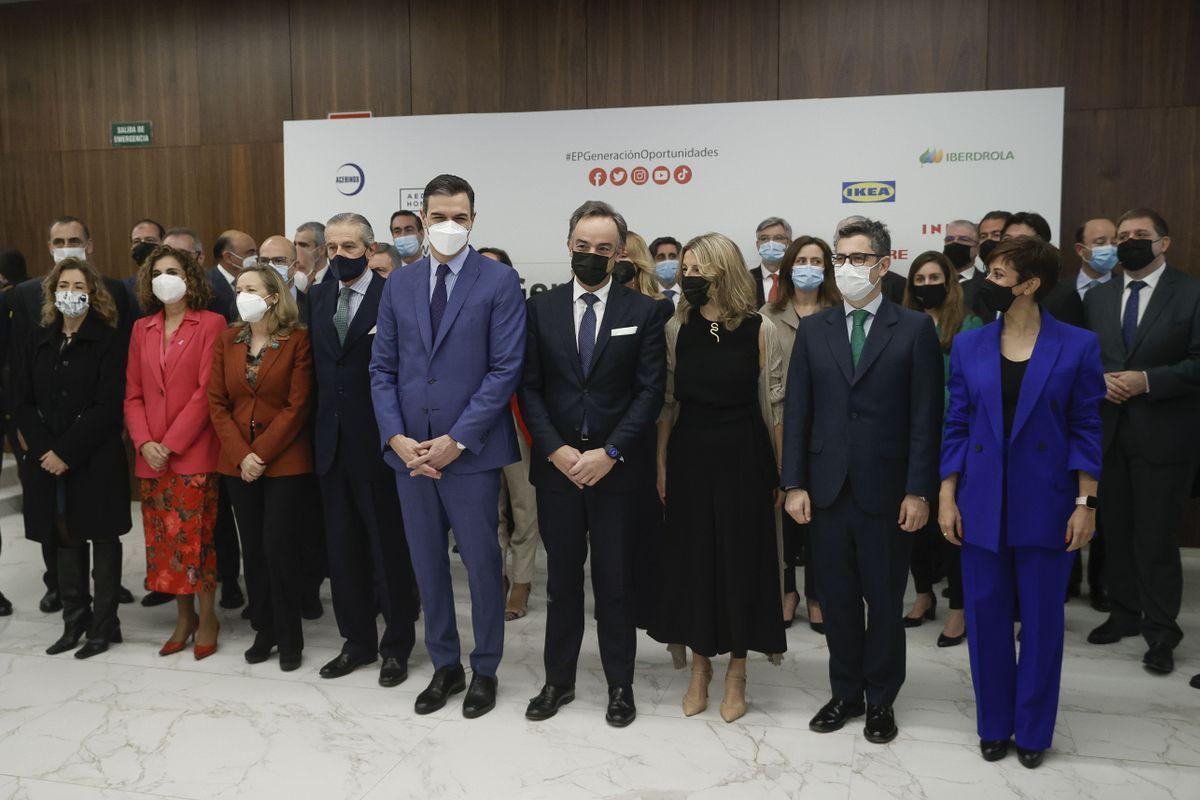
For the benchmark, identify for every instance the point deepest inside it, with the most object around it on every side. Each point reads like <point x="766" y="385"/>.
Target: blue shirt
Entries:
<point x="455" y="264"/>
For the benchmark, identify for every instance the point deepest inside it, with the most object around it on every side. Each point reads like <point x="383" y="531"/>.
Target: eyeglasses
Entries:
<point x="281" y="262"/>
<point x="857" y="259"/>
<point x="967" y="240"/>
<point x="779" y="237"/>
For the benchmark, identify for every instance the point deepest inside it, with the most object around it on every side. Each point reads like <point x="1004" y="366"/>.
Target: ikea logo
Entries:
<point x="868" y="191"/>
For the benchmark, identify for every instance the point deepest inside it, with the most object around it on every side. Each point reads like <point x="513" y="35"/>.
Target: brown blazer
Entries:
<point x="278" y="406"/>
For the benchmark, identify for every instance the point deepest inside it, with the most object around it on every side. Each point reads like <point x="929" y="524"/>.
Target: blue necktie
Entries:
<point x="587" y="344"/>
<point x="669" y="294"/>
<point x="437" y="304"/>
<point x="1129" y="322"/>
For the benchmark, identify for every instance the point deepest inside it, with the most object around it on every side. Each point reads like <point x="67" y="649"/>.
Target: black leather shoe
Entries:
<point x="1030" y="759"/>
<point x="246" y="613"/>
<point x="311" y="608"/>
<point x="881" y="725"/>
<point x="818" y="627"/>
<point x="1098" y="597"/>
<point x="621" y="709"/>
<point x="68" y="641"/>
<point x="157" y="599"/>
<point x="834" y="715"/>
<point x="1108" y="632"/>
<point x="94" y="647"/>
<point x="260" y="651"/>
<point x="445" y="682"/>
<point x="393" y="672"/>
<point x="124" y="596"/>
<point x="1159" y="659"/>
<point x="951" y="641"/>
<point x="1073" y="591"/>
<point x="549" y="700"/>
<point x="231" y="595"/>
<point x="343" y="665"/>
<point x="5" y="606"/>
<point x="481" y="696"/>
<point x="1195" y="682"/>
<point x="993" y="751"/>
<point x="50" y="603"/>
<point x="290" y="662"/>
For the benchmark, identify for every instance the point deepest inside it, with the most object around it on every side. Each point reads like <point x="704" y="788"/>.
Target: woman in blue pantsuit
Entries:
<point x="1020" y="461"/>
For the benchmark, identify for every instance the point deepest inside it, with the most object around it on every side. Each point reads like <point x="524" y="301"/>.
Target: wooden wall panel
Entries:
<point x="646" y="52"/>
<point x="344" y="61"/>
<point x="243" y="49"/>
<point x="522" y="55"/>
<point x="836" y="48"/>
<point x="30" y="197"/>
<point x="241" y="186"/>
<point x="126" y="60"/>
<point x="28" y="90"/>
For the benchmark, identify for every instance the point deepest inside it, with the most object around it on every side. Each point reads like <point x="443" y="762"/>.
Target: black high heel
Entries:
<point x="930" y="614"/>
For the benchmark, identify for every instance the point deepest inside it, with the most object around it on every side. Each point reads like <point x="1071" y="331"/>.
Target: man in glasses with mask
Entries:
<point x="1148" y="322"/>
<point x="233" y="251"/>
<point x="857" y="464"/>
<point x="771" y="237"/>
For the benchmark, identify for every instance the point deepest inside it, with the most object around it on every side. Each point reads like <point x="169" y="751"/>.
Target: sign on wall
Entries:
<point x="914" y="161"/>
<point x="132" y="134"/>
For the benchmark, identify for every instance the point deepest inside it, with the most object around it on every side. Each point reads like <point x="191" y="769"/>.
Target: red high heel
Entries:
<point x="203" y="651"/>
<point x="172" y="647"/>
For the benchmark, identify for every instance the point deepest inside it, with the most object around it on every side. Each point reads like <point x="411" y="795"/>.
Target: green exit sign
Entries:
<point x="132" y="134"/>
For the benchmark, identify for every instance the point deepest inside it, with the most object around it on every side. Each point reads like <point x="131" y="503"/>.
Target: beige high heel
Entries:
<point x="695" y="700"/>
<point x="678" y="655"/>
<point x="733" y="705"/>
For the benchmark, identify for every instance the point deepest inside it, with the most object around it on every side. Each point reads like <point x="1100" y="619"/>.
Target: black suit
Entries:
<point x="893" y="287"/>
<point x="1150" y="449"/>
<point x="859" y="439"/>
<point x="760" y="295"/>
<point x="224" y="299"/>
<point x="369" y="563"/>
<point x="620" y="394"/>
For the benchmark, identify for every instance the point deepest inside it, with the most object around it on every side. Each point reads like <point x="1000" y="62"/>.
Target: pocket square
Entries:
<point x="623" y="331"/>
<point x="372" y="331"/>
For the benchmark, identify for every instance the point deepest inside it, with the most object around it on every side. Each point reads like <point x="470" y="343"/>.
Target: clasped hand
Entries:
<point x="1123" y="386"/>
<point x="582" y="469"/>
<point x="156" y="455"/>
<point x="252" y="467"/>
<point x="428" y="458"/>
<point x="53" y="464"/>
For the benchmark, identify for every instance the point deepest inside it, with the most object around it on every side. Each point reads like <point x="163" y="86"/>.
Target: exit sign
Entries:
<point x="132" y="134"/>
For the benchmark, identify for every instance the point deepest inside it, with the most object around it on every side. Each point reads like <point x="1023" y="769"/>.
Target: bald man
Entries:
<point x="233" y="251"/>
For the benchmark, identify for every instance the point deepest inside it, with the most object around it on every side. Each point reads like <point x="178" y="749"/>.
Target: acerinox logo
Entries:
<point x="934" y="155"/>
<point x="868" y="191"/>
<point x="350" y="179"/>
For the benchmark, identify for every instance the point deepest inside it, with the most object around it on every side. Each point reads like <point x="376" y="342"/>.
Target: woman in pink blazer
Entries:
<point x="166" y="411"/>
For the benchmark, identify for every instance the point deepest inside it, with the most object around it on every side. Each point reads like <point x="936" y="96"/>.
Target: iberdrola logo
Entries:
<point x="932" y="156"/>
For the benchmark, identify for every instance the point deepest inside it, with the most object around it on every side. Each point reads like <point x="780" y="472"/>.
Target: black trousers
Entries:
<point x="313" y="558"/>
<point x="49" y="548"/>
<point x="862" y="557"/>
<point x="1141" y="510"/>
<point x="225" y="539"/>
<point x="931" y="555"/>
<point x="567" y="520"/>
<point x="797" y="550"/>
<point x="269" y="512"/>
<point x="369" y="564"/>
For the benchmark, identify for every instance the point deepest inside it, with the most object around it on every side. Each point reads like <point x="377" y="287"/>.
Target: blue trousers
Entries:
<point x="468" y="503"/>
<point x="1015" y="695"/>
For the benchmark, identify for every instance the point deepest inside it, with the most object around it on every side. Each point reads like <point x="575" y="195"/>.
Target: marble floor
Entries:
<point x="129" y="724"/>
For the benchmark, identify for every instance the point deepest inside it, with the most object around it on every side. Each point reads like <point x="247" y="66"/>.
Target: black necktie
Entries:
<point x="437" y="304"/>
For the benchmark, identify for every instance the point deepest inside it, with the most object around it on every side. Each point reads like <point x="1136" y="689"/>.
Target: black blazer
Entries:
<point x="893" y="287"/>
<point x="71" y="402"/>
<point x="1166" y="420"/>
<point x="345" y="413"/>
<point x="877" y="426"/>
<point x="621" y="396"/>
<point x="761" y="296"/>
<point x="224" y="299"/>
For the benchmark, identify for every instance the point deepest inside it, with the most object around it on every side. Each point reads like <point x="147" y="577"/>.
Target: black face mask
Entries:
<point x="624" y="271"/>
<point x="996" y="298"/>
<point x="985" y="249"/>
<point x="1135" y="254"/>
<point x="140" y="251"/>
<point x="590" y="268"/>
<point x="695" y="289"/>
<point x="347" y="269"/>
<point x="958" y="253"/>
<point x="931" y="295"/>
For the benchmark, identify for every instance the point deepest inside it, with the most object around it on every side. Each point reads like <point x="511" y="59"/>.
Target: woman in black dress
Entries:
<point x="718" y="474"/>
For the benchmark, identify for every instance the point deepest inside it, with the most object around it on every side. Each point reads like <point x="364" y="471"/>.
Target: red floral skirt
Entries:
<point x="179" y="513"/>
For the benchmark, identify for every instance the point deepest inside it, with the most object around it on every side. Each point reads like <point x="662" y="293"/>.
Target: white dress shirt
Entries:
<point x="970" y="271"/>
<point x="871" y="307"/>
<point x="1082" y="282"/>
<point x="1151" y="281"/>
<point x="455" y="264"/>
<point x="358" y="292"/>
<point x="319" y="275"/>
<point x="598" y="307"/>
<point x="227" y="275"/>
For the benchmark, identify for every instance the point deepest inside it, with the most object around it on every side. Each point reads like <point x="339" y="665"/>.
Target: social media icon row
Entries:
<point x="638" y="176"/>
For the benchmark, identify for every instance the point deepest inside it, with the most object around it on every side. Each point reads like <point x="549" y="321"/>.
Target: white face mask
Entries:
<point x="168" y="288"/>
<point x="300" y="281"/>
<point x="63" y="253"/>
<point x="448" y="237"/>
<point x="854" y="282"/>
<point x="71" y="303"/>
<point x="251" y="307"/>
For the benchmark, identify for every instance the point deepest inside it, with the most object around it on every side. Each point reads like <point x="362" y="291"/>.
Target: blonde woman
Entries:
<point x="718" y="473"/>
<point x="642" y="279"/>
<point x="259" y="397"/>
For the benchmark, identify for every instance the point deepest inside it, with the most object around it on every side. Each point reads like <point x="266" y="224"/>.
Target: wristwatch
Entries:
<point x="459" y="444"/>
<point x="612" y="452"/>
<point x="1087" y="501"/>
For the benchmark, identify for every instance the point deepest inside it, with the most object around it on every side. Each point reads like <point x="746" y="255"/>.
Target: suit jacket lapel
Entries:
<point x="322" y="315"/>
<point x="420" y="299"/>
<point x="839" y="342"/>
<point x="877" y="339"/>
<point x="365" y="317"/>
<point x="270" y="356"/>
<point x="1045" y="354"/>
<point x="987" y="376"/>
<point x="178" y="344"/>
<point x="458" y="295"/>
<point x="612" y="308"/>
<point x="1158" y="301"/>
<point x="563" y="309"/>
<point x="152" y="347"/>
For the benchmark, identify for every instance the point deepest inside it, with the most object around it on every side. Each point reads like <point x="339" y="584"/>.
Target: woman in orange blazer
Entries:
<point x="166" y="412"/>
<point x="259" y="398"/>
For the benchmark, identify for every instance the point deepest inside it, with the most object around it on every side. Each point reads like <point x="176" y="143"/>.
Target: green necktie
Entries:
<point x="858" y="334"/>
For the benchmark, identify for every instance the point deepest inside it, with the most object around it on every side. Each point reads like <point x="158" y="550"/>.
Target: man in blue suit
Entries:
<point x="860" y="457"/>
<point x="447" y="357"/>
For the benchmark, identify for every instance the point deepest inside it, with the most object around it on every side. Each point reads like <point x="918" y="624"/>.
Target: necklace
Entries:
<point x="713" y="328"/>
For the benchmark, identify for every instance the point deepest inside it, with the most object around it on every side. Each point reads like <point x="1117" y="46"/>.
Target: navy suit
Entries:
<point x="224" y="299"/>
<point x="369" y="565"/>
<point x="859" y="439"/>
<point x="621" y="395"/>
<point x="1015" y="496"/>
<point x="454" y="381"/>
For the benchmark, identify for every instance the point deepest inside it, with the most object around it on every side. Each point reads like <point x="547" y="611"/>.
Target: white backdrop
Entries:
<point x="921" y="159"/>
